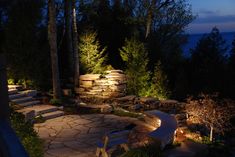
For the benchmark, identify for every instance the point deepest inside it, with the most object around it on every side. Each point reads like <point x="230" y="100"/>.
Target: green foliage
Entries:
<point x="216" y="149"/>
<point x="133" y="53"/>
<point x="150" y="150"/>
<point x="92" y="57"/>
<point x="56" y="102"/>
<point x="39" y="119"/>
<point x="11" y="81"/>
<point x="158" y="88"/>
<point x="27" y="56"/>
<point x="124" y="113"/>
<point x="27" y="135"/>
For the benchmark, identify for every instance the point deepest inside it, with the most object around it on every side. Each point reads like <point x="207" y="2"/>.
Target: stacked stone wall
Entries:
<point x="112" y="84"/>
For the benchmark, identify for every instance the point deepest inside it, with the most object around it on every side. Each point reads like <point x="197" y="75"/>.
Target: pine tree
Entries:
<point x="158" y="88"/>
<point x="91" y="55"/>
<point x="133" y="53"/>
<point x="232" y="56"/>
<point x="231" y="71"/>
<point x="207" y="63"/>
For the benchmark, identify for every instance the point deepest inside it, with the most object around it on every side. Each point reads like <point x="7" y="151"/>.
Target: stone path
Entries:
<point x="77" y="135"/>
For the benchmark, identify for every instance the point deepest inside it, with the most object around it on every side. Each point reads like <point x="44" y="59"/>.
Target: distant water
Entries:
<point x="194" y="38"/>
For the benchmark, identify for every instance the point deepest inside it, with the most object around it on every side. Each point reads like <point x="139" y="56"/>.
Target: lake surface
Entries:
<point x="194" y="38"/>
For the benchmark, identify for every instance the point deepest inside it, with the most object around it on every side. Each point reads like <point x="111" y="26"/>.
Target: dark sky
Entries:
<point x="210" y="13"/>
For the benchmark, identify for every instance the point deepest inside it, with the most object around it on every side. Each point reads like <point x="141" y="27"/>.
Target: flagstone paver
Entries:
<point x="77" y="135"/>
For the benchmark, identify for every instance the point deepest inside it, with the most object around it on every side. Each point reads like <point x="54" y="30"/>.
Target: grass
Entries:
<point x="149" y="150"/>
<point x="216" y="149"/>
<point x="124" y="113"/>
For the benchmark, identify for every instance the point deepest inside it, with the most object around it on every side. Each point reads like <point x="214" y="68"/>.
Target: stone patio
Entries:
<point x="77" y="135"/>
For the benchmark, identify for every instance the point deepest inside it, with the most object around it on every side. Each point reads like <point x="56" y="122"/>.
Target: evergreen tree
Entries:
<point x="27" y="55"/>
<point x="92" y="57"/>
<point x="158" y="88"/>
<point x="231" y="71"/>
<point x="232" y="56"/>
<point x="207" y="63"/>
<point x="133" y="53"/>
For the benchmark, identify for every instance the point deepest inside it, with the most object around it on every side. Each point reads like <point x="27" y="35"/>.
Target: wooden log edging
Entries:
<point x="166" y="132"/>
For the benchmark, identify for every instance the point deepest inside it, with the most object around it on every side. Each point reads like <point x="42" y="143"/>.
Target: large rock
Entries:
<point x="116" y="76"/>
<point x="86" y="84"/>
<point x="118" y="88"/>
<point x="89" y="77"/>
<point x="148" y="100"/>
<point x="126" y="98"/>
<point x="114" y="71"/>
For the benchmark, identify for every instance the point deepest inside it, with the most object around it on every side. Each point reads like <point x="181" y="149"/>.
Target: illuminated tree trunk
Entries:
<point x="153" y="6"/>
<point x="52" y="37"/>
<point x="75" y="46"/>
<point x="150" y="16"/>
<point x="69" y="40"/>
<point x="211" y="133"/>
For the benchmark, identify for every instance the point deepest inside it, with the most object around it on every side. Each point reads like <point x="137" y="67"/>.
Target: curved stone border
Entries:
<point x="165" y="133"/>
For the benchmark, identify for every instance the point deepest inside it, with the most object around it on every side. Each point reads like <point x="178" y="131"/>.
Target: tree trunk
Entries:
<point x="153" y="6"/>
<point x="4" y="105"/>
<point x="150" y="16"/>
<point x="52" y="37"/>
<point x="211" y="133"/>
<point x="75" y="46"/>
<point x="69" y="40"/>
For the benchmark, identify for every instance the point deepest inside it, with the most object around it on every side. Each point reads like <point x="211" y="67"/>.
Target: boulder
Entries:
<point x="126" y="98"/>
<point x="89" y="77"/>
<point x="114" y="71"/>
<point x="148" y="100"/>
<point x="86" y="84"/>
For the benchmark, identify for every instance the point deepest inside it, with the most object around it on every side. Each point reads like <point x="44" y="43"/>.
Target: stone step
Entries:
<point x="22" y="100"/>
<point x="31" y="93"/>
<point x="43" y="109"/>
<point x="52" y="115"/>
<point x="29" y="103"/>
<point x="12" y="91"/>
<point x="39" y="109"/>
<point x="16" y="96"/>
<point x="15" y="87"/>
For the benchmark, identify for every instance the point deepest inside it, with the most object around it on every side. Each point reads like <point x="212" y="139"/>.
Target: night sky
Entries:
<point x="210" y="13"/>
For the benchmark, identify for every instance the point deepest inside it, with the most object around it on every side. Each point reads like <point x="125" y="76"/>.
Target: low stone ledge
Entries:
<point x="102" y="108"/>
<point x="166" y="132"/>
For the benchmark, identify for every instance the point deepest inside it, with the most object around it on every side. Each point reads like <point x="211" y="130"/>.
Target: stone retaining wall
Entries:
<point x="110" y="85"/>
<point x="133" y="102"/>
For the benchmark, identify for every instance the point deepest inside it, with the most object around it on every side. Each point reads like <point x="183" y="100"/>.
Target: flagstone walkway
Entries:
<point x="77" y="135"/>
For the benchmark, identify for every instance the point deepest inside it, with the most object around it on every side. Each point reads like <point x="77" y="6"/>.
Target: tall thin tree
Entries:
<point x="152" y="8"/>
<point x="75" y="45"/>
<point x="68" y="30"/>
<point x="52" y="37"/>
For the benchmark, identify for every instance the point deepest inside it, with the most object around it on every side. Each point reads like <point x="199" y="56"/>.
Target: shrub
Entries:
<point x="11" y="81"/>
<point x="92" y="57"/>
<point x="133" y="53"/>
<point x="158" y="88"/>
<point x="56" y="102"/>
<point x="27" y="135"/>
<point x="150" y="150"/>
<point x="124" y="113"/>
